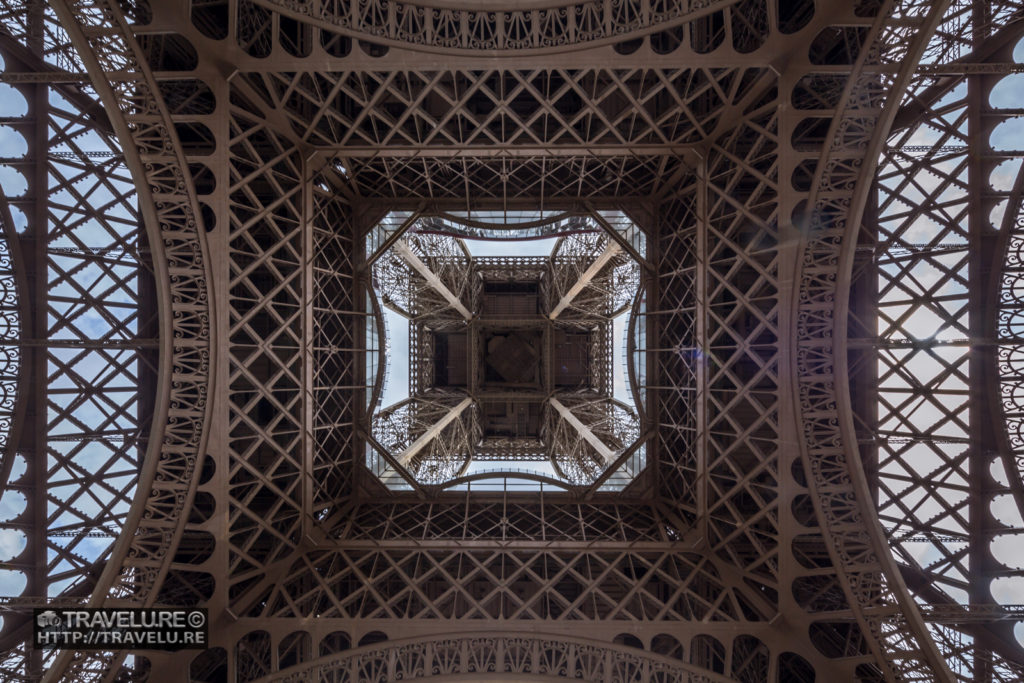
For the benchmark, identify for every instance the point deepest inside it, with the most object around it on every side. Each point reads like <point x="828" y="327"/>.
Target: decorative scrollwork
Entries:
<point x="10" y="333"/>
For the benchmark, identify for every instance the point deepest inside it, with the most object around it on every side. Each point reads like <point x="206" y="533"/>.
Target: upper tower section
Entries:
<point x="517" y="348"/>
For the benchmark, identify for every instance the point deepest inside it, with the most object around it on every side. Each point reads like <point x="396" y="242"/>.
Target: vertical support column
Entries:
<point x="981" y="323"/>
<point x="653" y="334"/>
<point x="473" y="351"/>
<point x="791" y="242"/>
<point x="700" y="341"/>
<point x="361" y="276"/>
<point x="308" y="372"/>
<point x="217" y="447"/>
<point x="148" y="356"/>
<point x="34" y="443"/>
<point x="863" y="360"/>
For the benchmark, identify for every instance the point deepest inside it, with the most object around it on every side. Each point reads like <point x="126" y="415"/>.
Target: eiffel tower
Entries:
<point x="602" y="340"/>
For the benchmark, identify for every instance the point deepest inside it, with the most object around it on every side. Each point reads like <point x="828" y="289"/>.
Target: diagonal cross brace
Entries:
<point x="589" y="274"/>
<point x="607" y="454"/>
<point x="403" y="249"/>
<point x="419" y="444"/>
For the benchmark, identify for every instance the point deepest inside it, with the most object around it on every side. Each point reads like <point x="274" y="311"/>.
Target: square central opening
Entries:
<point x="515" y="346"/>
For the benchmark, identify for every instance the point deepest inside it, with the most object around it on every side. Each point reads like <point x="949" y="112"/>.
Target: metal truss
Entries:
<point x="548" y="29"/>
<point x="430" y="277"/>
<point x="534" y="108"/>
<point x="930" y="258"/>
<point x="586" y="433"/>
<point x="432" y="435"/>
<point x="425" y="274"/>
<point x="79" y="311"/>
<point x="594" y="277"/>
<point x="548" y="656"/>
<point x="774" y="347"/>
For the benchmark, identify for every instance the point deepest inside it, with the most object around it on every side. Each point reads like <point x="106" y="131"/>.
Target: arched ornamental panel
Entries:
<point x="751" y="535"/>
<point x="500" y="657"/>
<point x="931" y="343"/>
<point x="81" y="334"/>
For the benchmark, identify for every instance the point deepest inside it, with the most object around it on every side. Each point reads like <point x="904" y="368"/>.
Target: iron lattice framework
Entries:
<point x="510" y="357"/>
<point x="828" y="355"/>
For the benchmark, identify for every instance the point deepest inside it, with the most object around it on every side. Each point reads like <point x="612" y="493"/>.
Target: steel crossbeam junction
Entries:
<point x="757" y="413"/>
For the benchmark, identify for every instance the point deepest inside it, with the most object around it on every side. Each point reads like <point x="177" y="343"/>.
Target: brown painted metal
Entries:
<point x="772" y="535"/>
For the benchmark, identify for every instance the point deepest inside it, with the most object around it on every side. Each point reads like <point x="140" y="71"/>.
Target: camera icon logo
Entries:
<point x="47" y="619"/>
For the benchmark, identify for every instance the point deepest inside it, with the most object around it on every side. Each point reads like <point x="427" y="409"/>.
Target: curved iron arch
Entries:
<point x="456" y="655"/>
<point x="828" y="450"/>
<point x="170" y="211"/>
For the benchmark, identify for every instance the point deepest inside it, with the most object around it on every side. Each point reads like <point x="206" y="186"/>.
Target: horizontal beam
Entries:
<point x="906" y="343"/>
<point x="482" y="26"/>
<point x="964" y="614"/>
<point x="82" y="343"/>
<point x="408" y="152"/>
<point x="57" y="76"/>
<point x="506" y="473"/>
<point x="43" y="77"/>
<point x="521" y="544"/>
<point x="964" y="68"/>
<point x="28" y="602"/>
